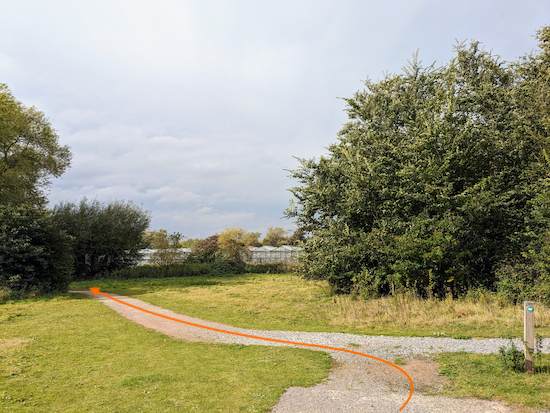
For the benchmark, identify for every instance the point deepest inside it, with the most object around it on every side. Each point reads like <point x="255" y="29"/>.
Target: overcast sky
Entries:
<point x="194" y="109"/>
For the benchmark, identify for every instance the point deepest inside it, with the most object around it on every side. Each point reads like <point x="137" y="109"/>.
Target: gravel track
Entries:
<point x="355" y="384"/>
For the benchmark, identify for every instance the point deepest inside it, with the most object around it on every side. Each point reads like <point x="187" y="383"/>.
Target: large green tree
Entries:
<point x="30" y="153"/>
<point x="107" y="237"/>
<point x="436" y="181"/>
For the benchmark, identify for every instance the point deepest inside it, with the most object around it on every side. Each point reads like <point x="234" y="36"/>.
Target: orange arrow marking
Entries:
<point x="96" y="291"/>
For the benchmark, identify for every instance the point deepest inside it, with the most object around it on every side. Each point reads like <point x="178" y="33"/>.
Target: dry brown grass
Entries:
<point x="486" y="314"/>
<point x="12" y="345"/>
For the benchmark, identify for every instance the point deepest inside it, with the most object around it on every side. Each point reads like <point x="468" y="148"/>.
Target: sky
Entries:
<point x="196" y="110"/>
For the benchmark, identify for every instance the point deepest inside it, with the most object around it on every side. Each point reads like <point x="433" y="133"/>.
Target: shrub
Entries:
<point x="35" y="255"/>
<point x="511" y="358"/>
<point x="523" y="282"/>
<point x="270" y="268"/>
<point x="437" y="178"/>
<point x="161" y="271"/>
<point x="224" y="264"/>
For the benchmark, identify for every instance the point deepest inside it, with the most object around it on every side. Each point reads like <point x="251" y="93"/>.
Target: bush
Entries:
<point x="511" y="358"/>
<point x="161" y="271"/>
<point x="523" y="282"/>
<point x="224" y="264"/>
<point x="270" y="268"/>
<point x="35" y="255"/>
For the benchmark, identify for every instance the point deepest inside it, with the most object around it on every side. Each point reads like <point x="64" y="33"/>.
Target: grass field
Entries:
<point x="73" y="354"/>
<point x="70" y="353"/>
<point x="286" y="302"/>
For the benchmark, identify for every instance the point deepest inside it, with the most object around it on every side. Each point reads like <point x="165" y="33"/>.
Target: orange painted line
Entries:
<point x="96" y="291"/>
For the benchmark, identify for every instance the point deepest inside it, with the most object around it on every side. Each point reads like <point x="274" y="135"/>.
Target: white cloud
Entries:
<point x="199" y="106"/>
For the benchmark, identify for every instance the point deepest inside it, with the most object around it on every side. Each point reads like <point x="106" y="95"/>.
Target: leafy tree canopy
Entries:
<point x="234" y="242"/>
<point x="108" y="237"/>
<point x="189" y="242"/>
<point x="275" y="236"/>
<point x="30" y="153"/>
<point x="437" y="179"/>
<point x="206" y="249"/>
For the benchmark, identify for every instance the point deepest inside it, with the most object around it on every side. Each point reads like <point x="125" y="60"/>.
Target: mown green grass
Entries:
<point x="72" y="354"/>
<point x="286" y="302"/>
<point x="482" y="376"/>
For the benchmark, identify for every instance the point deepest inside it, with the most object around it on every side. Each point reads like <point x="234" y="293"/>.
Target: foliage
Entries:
<point x="437" y="180"/>
<point x="234" y="242"/>
<point x="160" y="271"/>
<point x="523" y="282"/>
<point x="108" y="237"/>
<point x="270" y="268"/>
<point x="167" y="247"/>
<point x="30" y="153"/>
<point x="225" y="264"/>
<point x="35" y="255"/>
<point x="297" y="239"/>
<point x="205" y="250"/>
<point x="189" y="243"/>
<point x="511" y="358"/>
<point x="276" y="236"/>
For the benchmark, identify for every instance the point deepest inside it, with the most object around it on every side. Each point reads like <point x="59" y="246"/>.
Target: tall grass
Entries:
<point x="480" y="313"/>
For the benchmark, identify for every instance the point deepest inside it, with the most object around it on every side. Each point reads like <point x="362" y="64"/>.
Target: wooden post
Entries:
<point x="529" y="335"/>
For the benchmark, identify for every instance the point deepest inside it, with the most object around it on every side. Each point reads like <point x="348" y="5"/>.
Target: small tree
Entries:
<point x="107" y="236"/>
<point x="235" y="241"/>
<point x="35" y="255"/>
<point x="275" y="237"/>
<point x="205" y="250"/>
<point x="167" y="247"/>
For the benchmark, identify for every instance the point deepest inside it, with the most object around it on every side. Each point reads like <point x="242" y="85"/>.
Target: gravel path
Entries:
<point x="355" y="384"/>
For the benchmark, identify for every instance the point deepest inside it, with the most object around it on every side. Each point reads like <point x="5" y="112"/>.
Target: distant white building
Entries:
<point x="146" y="254"/>
<point x="264" y="254"/>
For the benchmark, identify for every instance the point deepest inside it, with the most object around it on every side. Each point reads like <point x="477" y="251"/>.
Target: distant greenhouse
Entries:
<point x="266" y="253"/>
<point x="284" y="253"/>
<point x="147" y="254"/>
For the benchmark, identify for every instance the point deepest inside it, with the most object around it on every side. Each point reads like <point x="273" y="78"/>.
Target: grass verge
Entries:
<point x="72" y="354"/>
<point x="287" y="302"/>
<point x="482" y="376"/>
